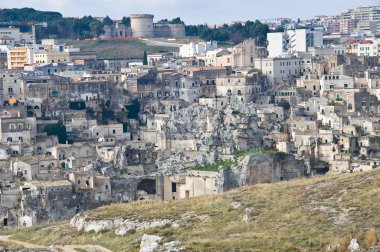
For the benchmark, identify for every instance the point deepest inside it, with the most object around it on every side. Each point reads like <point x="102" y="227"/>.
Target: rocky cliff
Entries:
<point x="261" y="168"/>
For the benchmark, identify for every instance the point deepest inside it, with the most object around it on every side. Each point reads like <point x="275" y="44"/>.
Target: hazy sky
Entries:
<point x="194" y="11"/>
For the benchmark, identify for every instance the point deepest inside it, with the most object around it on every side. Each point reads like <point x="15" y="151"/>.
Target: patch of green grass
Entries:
<point x="239" y="154"/>
<point x="118" y="49"/>
<point x="217" y="166"/>
<point x="230" y="163"/>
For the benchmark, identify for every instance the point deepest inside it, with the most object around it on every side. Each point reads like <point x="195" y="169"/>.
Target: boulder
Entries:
<point x="149" y="243"/>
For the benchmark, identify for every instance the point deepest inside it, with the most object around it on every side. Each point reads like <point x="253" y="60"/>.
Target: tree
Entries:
<point x="107" y="114"/>
<point x="90" y="112"/>
<point x="107" y="21"/>
<point x="279" y="29"/>
<point x="235" y="33"/>
<point x="126" y="21"/>
<point x="285" y="104"/>
<point x="145" y="58"/>
<point x="133" y="110"/>
<point x="176" y="20"/>
<point x="58" y="130"/>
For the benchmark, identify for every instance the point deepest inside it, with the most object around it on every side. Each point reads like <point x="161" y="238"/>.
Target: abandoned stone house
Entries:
<point x="74" y="156"/>
<point x="17" y="131"/>
<point x="27" y="168"/>
<point x="192" y="184"/>
<point x="44" y="144"/>
<point x="99" y="186"/>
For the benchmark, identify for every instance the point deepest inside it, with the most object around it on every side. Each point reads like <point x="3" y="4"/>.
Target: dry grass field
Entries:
<point x="299" y="215"/>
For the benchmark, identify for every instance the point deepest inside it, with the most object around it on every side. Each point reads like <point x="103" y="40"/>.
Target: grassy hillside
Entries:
<point x="118" y="49"/>
<point x="302" y="215"/>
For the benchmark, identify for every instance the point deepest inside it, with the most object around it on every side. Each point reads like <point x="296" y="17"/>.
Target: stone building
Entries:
<point x="27" y="169"/>
<point x="237" y="86"/>
<point x="192" y="184"/>
<point x="18" y="132"/>
<point x="116" y="30"/>
<point x="99" y="186"/>
<point x="75" y="156"/>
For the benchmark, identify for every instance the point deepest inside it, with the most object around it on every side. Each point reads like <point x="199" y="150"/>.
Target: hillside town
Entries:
<point x="78" y="132"/>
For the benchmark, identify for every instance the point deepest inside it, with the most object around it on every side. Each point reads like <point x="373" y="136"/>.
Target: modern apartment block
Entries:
<point x="292" y="41"/>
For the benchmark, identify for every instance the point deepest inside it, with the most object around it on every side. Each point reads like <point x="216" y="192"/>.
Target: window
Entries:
<point x="174" y="187"/>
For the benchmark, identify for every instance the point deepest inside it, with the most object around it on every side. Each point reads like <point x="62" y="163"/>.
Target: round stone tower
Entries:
<point x="142" y="25"/>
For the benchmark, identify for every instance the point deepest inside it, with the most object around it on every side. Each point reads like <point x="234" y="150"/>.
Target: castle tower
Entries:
<point x="142" y="25"/>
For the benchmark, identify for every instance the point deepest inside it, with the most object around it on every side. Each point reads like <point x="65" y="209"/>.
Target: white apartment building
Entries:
<point x="363" y="47"/>
<point x="292" y="41"/>
<point x="370" y="13"/>
<point x="234" y="87"/>
<point x="15" y="34"/>
<point x="367" y="26"/>
<point x="197" y="49"/>
<point x="331" y="82"/>
<point x="278" y="69"/>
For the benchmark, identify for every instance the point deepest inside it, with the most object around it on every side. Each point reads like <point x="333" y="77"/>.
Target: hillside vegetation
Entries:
<point x="301" y="215"/>
<point x="119" y="49"/>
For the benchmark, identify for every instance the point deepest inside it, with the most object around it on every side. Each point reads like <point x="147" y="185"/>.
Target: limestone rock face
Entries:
<point x="209" y="131"/>
<point x="212" y="128"/>
<point x="354" y="246"/>
<point x="178" y="163"/>
<point x="261" y="168"/>
<point x="149" y="243"/>
<point x="122" y="226"/>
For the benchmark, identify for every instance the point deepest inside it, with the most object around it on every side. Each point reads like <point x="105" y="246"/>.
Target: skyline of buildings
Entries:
<point x="193" y="12"/>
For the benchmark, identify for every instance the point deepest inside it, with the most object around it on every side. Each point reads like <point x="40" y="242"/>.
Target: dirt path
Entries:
<point x="65" y="248"/>
<point x="89" y="248"/>
<point x="5" y="238"/>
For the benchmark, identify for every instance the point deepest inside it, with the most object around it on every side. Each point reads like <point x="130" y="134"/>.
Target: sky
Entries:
<point x="194" y="11"/>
